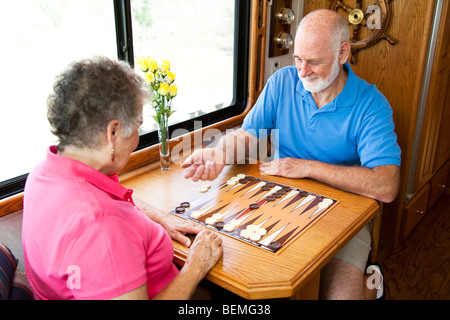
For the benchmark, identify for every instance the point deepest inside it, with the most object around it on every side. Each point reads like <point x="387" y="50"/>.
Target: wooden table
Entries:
<point x="251" y="272"/>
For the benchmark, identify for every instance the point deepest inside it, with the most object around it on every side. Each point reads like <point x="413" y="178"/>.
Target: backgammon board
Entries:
<point x="259" y="212"/>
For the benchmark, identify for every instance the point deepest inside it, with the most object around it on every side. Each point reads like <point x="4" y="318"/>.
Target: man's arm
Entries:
<point x="208" y="163"/>
<point x="380" y="183"/>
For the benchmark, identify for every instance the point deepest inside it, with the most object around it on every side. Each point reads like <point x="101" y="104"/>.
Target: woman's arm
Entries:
<point x="203" y="255"/>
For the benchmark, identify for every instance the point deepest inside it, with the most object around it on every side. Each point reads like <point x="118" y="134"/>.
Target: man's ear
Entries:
<point x="112" y="131"/>
<point x="344" y="52"/>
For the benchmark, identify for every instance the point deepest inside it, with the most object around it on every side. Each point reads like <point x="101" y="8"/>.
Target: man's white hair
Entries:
<point x="324" y="20"/>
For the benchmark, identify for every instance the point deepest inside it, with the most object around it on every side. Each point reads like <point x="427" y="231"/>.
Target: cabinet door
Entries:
<point x="439" y="184"/>
<point x="435" y="144"/>
<point x="415" y="210"/>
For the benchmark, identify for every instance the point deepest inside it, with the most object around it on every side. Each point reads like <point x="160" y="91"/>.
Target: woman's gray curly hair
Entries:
<point x="88" y="95"/>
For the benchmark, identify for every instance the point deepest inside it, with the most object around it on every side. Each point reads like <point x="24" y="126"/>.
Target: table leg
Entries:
<point x="310" y="290"/>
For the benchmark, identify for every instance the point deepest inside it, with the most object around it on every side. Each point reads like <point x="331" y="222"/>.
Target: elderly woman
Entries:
<point x="84" y="237"/>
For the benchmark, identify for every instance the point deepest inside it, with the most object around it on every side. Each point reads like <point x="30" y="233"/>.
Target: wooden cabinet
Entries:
<point x="438" y="184"/>
<point x="432" y="167"/>
<point x="415" y="210"/>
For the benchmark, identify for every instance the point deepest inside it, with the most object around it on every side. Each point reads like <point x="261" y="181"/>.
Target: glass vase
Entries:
<point x="163" y="135"/>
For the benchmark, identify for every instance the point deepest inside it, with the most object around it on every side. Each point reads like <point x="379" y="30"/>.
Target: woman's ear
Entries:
<point x="112" y="131"/>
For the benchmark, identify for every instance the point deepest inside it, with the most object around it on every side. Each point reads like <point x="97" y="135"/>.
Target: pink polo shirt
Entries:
<point x="83" y="237"/>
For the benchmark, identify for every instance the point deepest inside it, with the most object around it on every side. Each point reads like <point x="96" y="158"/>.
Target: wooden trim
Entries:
<point x="376" y="226"/>
<point x="11" y="204"/>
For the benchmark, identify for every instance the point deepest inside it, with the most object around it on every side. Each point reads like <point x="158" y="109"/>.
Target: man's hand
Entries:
<point x="380" y="183"/>
<point x="204" y="164"/>
<point x="285" y="167"/>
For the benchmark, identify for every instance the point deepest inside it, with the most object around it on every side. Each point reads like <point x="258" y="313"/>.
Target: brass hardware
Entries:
<point x="281" y="19"/>
<point x="356" y="16"/>
<point x="443" y="186"/>
<point x="420" y="212"/>
<point x="284" y="41"/>
<point x="286" y="16"/>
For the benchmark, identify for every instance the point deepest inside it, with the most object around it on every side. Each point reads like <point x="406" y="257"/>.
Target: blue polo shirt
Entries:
<point x="356" y="128"/>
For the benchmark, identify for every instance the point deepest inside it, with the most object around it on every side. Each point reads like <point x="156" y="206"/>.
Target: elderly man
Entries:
<point x="333" y="127"/>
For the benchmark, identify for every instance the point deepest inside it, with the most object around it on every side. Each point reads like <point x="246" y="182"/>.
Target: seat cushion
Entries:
<point x="20" y="288"/>
<point x="8" y="265"/>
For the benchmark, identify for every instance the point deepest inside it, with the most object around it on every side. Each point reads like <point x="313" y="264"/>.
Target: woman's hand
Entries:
<point x="178" y="228"/>
<point x="204" y="253"/>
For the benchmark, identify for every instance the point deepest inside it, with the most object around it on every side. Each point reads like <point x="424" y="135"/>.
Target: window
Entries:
<point x="206" y="42"/>
<point x="39" y="39"/>
<point x="207" y="48"/>
<point x="200" y="51"/>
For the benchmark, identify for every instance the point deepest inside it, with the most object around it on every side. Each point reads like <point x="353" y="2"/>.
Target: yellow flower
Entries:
<point x="171" y="76"/>
<point x="143" y="63"/>
<point x="165" y="65"/>
<point x="149" y="77"/>
<point x="173" y="90"/>
<point x="152" y="65"/>
<point x="163" y="89"/>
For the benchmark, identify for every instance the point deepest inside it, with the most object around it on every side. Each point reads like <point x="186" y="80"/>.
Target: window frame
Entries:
<point x="124" y="40"/>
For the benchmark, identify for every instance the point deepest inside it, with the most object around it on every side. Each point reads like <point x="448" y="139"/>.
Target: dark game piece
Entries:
<point x="274" y="245"/>
<point x="219" y="224"/>
<point x="179" y="209"/>
<point x="185" y="204"/>
<point x="276" y="195"/>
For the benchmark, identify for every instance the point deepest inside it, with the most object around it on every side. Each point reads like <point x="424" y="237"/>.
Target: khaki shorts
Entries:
<point x="356" y="252"/>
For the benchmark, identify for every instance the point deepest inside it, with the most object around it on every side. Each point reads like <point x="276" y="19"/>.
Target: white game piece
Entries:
<point x="217" y="216"/>
<point x="255" y="236"/>
<point x="228" y="227"/>
<point x="206" y="185"/>
<point x="245" y="233"/>
<point x="241" y="176"/>
<point x="234" y="223"/>
<point x="323" y="205"/>
<point x="210" y="220"/>
<point x="262" y="231"/>
<point x="195" y="214"/>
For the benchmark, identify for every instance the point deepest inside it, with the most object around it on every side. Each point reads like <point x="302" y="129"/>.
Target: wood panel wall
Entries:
<point x="398" y="72"/>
